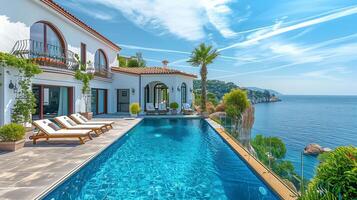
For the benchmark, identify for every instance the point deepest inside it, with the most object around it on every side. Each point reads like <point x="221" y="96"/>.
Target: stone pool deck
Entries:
<point x="283" y="191"/>
<point x="28" y="172"/>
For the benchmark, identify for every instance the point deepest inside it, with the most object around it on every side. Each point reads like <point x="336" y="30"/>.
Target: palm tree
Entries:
<point x="202" y="56"/>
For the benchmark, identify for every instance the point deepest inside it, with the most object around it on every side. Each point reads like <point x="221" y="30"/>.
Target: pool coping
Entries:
<point x="266" y="175"/>
<point x="56" y="184"/>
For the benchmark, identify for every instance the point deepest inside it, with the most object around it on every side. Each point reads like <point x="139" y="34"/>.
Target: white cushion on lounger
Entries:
<point x="162" y="106"/>
<point x="187" y="106"/>
<point x="93" y="121"/>
<point x="64" y="122"/>
<point x="43" y="124"/>
<point x="150" y="106"/>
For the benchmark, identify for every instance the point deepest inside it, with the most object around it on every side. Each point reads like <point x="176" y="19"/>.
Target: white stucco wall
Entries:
<point x="172" y="82"/>
<point x="126" y="81"/>
<point x="2" y="95"/>
<point x="8" y="99"/>
<point x="16" y="18"/>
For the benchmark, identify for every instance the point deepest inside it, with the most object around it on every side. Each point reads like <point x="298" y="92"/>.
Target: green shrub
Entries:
<point x="174" y="105"/>
<point x="12" y="132"/>
<point x="337" y="174"/>
<point x="135" y="108"/>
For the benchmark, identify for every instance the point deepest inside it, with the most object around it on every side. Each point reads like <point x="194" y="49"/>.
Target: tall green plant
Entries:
<point x="271" y="152"/>
<point x="236" y="102"/>
<point x="202" y="56"/>
<point x="25" y="100"/>
<point x="337" y="175"/>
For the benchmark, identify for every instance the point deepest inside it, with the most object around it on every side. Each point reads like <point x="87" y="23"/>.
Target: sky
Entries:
<point x="295" y="47"/>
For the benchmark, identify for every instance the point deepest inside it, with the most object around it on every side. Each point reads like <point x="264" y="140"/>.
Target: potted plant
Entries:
<point x="134" y="109"/>
<point x="12" y="137"/>
<point x="87" y="114"/>
<point x="174" y="106"/>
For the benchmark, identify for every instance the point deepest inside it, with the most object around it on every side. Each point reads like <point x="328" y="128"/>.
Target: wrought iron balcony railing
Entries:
<point x="46" y="54"/>
<point x="102" y="71"/>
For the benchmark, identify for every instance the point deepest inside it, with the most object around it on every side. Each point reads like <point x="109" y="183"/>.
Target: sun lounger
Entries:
<point x="162" y="109"/>
<point x="68" y="123"/>
<point x="47" y="131"/>
<point x="81" y="120"/>
<point x="150" y="109"/>
<point x="186" y="109"/>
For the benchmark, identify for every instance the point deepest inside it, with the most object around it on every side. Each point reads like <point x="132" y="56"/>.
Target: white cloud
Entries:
<point x="314" y="56"/>
<point x="186" y="19"/>
<point x="329" y="74"/>
<point x="218" y="14"/>
<point x="10" y="32"/>
<point x="153" y="49"/>
<point x="264" y="34"/>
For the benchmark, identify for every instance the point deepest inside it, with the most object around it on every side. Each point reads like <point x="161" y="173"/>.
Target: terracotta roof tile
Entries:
<point x="80" y="23"/>
<point x="150" y="70"/>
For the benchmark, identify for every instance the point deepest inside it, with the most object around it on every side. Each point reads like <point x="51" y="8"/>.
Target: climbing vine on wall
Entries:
<point x="85" y="77"/>
<point x="25" y="101"/>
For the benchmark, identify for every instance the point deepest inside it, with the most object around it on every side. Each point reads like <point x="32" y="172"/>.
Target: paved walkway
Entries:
<point x="274" y="182"/>
<point x="26" y="173"/>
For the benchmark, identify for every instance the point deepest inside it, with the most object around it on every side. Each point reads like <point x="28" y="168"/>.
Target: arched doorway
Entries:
<point x="156" y="93"/>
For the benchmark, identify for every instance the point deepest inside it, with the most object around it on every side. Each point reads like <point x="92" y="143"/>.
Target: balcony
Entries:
<point x="46" y="54"/>
<point x="102" y="71"/>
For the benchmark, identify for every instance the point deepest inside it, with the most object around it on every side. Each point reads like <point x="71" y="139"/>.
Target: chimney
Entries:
<point x="164" y="63"/>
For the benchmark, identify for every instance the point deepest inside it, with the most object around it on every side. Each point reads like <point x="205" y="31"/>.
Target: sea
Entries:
<point x="329" y="121"/>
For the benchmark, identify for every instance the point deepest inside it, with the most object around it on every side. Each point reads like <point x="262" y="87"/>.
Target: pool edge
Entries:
<point x="81" y="165"/>
<point x="265" y="174"/>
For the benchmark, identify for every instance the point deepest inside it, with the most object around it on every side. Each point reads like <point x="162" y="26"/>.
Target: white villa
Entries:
<point x="45" y="32"/>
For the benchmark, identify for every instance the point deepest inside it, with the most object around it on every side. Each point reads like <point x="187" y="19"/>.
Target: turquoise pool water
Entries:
<point x="166" y="159"/>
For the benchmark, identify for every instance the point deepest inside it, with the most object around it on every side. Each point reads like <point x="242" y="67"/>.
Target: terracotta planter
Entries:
<point x="12" y="146"/>
<point x="88" y="115"/>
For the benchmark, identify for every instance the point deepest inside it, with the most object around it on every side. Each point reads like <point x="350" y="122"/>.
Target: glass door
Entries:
<point x="123" y="99"/>
<point x="94" y="101"/>
<point x="101" y="101"/>
<point x="98" y="101"/>
<point x="52" y="101"/>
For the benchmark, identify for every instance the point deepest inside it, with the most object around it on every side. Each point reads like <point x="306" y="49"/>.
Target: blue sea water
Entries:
<point x="330" y="121"/>
<point x="166" y="159"/>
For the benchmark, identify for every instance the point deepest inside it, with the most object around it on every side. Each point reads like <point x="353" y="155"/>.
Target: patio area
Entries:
<point x="28" y="172"/>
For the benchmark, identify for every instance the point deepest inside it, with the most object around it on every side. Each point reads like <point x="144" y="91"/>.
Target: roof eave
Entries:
<point x="78" y="22"/>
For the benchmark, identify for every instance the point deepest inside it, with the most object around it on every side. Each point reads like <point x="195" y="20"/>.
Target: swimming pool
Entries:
<point x="165" y="159"/>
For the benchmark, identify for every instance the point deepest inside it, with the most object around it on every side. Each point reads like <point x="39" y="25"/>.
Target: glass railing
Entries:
<point x="270" y="151"/>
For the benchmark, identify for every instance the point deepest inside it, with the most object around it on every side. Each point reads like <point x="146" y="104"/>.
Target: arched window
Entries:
<point x="183" y="93"/>
<point x="46" y="40"/>
<point x="100" y="61"/>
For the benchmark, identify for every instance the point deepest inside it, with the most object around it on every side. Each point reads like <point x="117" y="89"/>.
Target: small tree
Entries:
<point x="336" y="176"/>
<point x="236" y="102"/>
<point x="133" y="63"/>
<point x="140" y="59"/>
